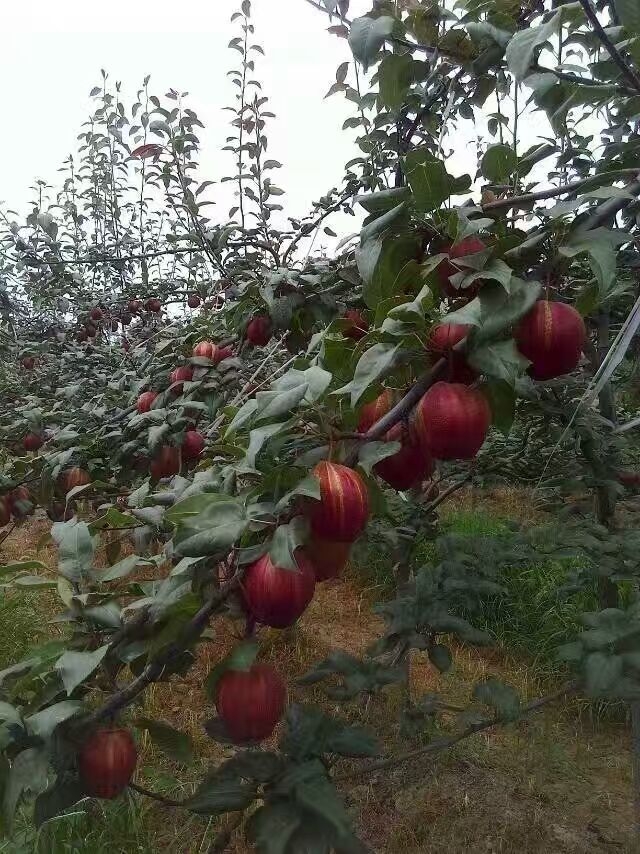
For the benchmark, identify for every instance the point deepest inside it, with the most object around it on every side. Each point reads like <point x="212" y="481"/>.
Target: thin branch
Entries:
<point x="223" y="838"/>
<point x="527" y="198"/>
<point x="583" y="81"/>
<point x="448" y="491"/>
<point x="627" y="71"/>
<point x="155" y="796"/>
<point x="444" y="743"/>
<point x="607" y="210"/>
<point x="155" y="668"/>
<point x="310" y="228"/>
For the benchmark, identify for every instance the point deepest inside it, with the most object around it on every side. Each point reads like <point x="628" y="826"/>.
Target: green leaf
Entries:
<point x="44" y="722"/>
<point x="257" y="438"/>
<point x="271" y="404"/>
<point x="123" y="568"/>
<point x="629" y="14"/>
<point x="57" y="799"/>
<point x="286" y="539"/>
<point x="520" y="50"/>
<point x="503" y="698"/>
<point x="75" y="667"/>
<point x="440" y="657"/>
<point x="319" y="795"/>
<point x="217" y="795"/>
<point x="395" y="76"/>
<point x="602" y="672"/>
<point x="371" y="453"/>
<point x="499" y="360"/>
<point x="384" y="200"/>
<point x="21" y="566"/>
<point x="502" y="400"/>
<point x="271" y="827"/>
<point x="76" y="549"/>
<point x="367" y="35"/>
<point x="244" y="414"/>
<point x="601" y="245"/>
<point x="113" y="518"/>
<point x="241" y="657"/>
<point x="207" y="524"/>
<point x="428" y="179"/>
<point x="308" y="487"/>
<point x="494" y="310"/>
<point x="28" y="773"/>
<point x="372" y="365"/>
<point x="175" y="744"/>
<point x="498" y="163"/>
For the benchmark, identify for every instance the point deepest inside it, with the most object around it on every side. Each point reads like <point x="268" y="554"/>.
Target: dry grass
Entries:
<point x="558" y="783"/>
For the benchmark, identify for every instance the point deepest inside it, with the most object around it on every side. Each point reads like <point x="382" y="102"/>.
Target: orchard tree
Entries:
<point x="225" y="412"/>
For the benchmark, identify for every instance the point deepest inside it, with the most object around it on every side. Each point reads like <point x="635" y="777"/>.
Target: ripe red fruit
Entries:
<point x="96" y="315"/>
<point x="328" y="557"/>
<point x="19" y="502"/>
<point x="222" y="354"/>
<point x="630" y="479"/>
<point x="181" y="375"/>
<point x="372" y="412"/>
<point x="468" y="246"/>
<point x="107" y="761"/>
<point x="358" y="326"/>
<point x="145" y="401"/>
<point x="412" y="463"/>
<point x="81" y="335"/>
<point x="28" y="363"/>
<point x="134" y="306"/>
<point x="259" y="330"/>
<point x="552" y="336"/>
<point x="193" y="300"/>
<point x="33" y="441"/>
<point x="192" y="445"/>
<point x="442" y="339"/>
<point x="125" y="319"/>
<point x="166" y="463"/>
<point x="206" y="349"/>
<point x="74" y="476"/>
<point x="343" y="509"/>
<point x="452" y="420"/>
<point x="250" y="703"/>
<point x="5" y="512"/>
<point x="91" y="330"/>
<point x="153" y="305"/>
<point x="276" y="596"/>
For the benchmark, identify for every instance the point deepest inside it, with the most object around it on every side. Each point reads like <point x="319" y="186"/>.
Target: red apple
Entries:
<point x="193" y="300"/>
<point x="343" y="509"/>
<point x="328" y="557"/>
<point x="180" y="376"/>
<point x="222" y="354"/>
<point x="153" y="305"/>
<point x="72" y="477"/>
<point x="91" y="330"/>
<point x="259" y="330"/>
<point x="145" y="401"/>
<point x="81" y="335"/>
<point x="134" y="306"/>
<point x="5" y="512"/>
<point x="28" y="363"/>
<point x="373" y="412"/>
<point x="276" y="596"/>
<point x="192" y="445"/>
<point x="166" y="462"/>
<point x="19" y="502"/>
<point x="358" y="326"/>
<point x="250" y="703"/>
<point x="206" y="349"/>
<point x="96" y="315"/>
<point x="442" y="339"/>
<point x="125" y="318"/>
<point x="452" y="421"/>
<point x="469" y="246"/>
<point x="33" y="441"/>
<point x="552" y="336"/>
<point x="107" y="761"/>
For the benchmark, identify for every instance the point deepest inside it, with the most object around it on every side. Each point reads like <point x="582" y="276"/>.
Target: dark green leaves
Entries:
<point x="494" y="310"/>
<point x="502" y="698"/>
<point x="428" y="179"/>
<point x="76" y="549"/>
<point x="286" y="539"/>
<point x="629" y="14"/>
<point x="522" y="47"/>
<point x="373" y="365"/>
<point x="395" y="76"/>
<point x="28" y="772"/>
<point x="499" y="360"/>
<point x="207" y="524"/>
<point x="175" y="744"/>
<point x="367" y="35"/>
<point x="498" y="163"/>
<point x="75" y="667"/>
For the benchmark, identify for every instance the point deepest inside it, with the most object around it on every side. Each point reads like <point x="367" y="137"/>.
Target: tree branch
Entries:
<point x="157" y="665"/>
<point x="527" y="198"/>
<point x="627" y="72"/>
<point x="440" y="744"/>
<point x="155" y="796"/>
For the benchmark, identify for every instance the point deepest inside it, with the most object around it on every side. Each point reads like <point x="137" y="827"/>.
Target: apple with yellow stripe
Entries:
<point x="343" y="509"/>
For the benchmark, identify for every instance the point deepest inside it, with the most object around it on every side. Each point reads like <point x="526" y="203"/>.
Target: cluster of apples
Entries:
<point x="169" y="458"/>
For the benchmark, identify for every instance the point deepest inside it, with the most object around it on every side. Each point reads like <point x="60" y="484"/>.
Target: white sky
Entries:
<point x="51" y="57"/>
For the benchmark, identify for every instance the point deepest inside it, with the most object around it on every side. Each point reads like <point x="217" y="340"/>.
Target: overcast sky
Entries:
<point x="51" y="57"/>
